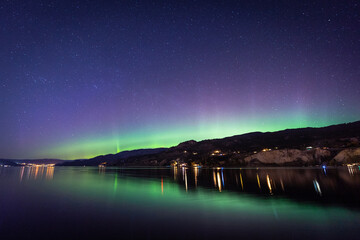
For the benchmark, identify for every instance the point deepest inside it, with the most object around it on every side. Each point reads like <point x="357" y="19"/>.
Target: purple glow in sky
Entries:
<point x="82" y="78"/>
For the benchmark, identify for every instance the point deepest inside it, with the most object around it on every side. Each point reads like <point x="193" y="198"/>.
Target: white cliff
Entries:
<point x="288" y="155"/>
<point x="348" y="155"/>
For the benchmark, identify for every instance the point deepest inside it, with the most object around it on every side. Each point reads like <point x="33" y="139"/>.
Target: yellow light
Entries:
<point x="196" y="172"/>
<point x="258" y="180"/>
<point x="241" y="181"/>
<point x="219" y="182"/>
<point x="162" y="186"/>
<point x="186" y="184"/>
<point x="214" y="178"/>
<point x="269" y="183"/>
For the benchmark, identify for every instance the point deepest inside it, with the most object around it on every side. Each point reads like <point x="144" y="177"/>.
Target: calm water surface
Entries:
<point x="167" y="203"/>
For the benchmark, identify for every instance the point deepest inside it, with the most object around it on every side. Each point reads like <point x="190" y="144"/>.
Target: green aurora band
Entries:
<point x="143" y="193"/>
<point x="155" y="136"/>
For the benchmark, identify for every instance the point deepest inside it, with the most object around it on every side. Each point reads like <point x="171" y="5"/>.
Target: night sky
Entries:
<point x="83" y="78"/>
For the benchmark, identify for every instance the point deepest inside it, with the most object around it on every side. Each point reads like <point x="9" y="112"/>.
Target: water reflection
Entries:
<point x="333" y="185"/>
<point x="317" y="187"/>
<point x="196" y="173"/>
<point x="22" y="170"/>
<point x="162" y="186"/>
<point x="115" y="182"/>
<point x="242" y="183"/>
<point x="218" y="181"/>
<point x="35" y="172"/>
<point x="322" y="185"/>
<point x="353" y="169"/>
<point x="185" y="177"/>
<point x="258" y="180"/>
<point x="265" y="201"/>
<point x="269" y="183"/>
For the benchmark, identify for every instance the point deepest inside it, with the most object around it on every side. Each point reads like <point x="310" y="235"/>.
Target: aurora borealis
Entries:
<point x="84" y="78"/>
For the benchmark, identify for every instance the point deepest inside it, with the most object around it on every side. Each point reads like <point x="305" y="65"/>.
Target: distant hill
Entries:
<point x="111" y="158"/>
<point x="7" y="162"/>
<point x="334" y="145"/>
<point x="237" y="150"/>
<point x="33" y="161"/>
<point x="41" y="161"/>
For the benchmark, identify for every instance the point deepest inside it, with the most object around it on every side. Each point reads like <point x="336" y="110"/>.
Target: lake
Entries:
<point x="179" y="203"/>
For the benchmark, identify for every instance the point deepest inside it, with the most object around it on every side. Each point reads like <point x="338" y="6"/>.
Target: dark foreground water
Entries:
<point x="167" y="203"/>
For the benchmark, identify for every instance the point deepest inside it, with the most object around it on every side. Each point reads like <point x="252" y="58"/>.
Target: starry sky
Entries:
<point x="83" y="78"/>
